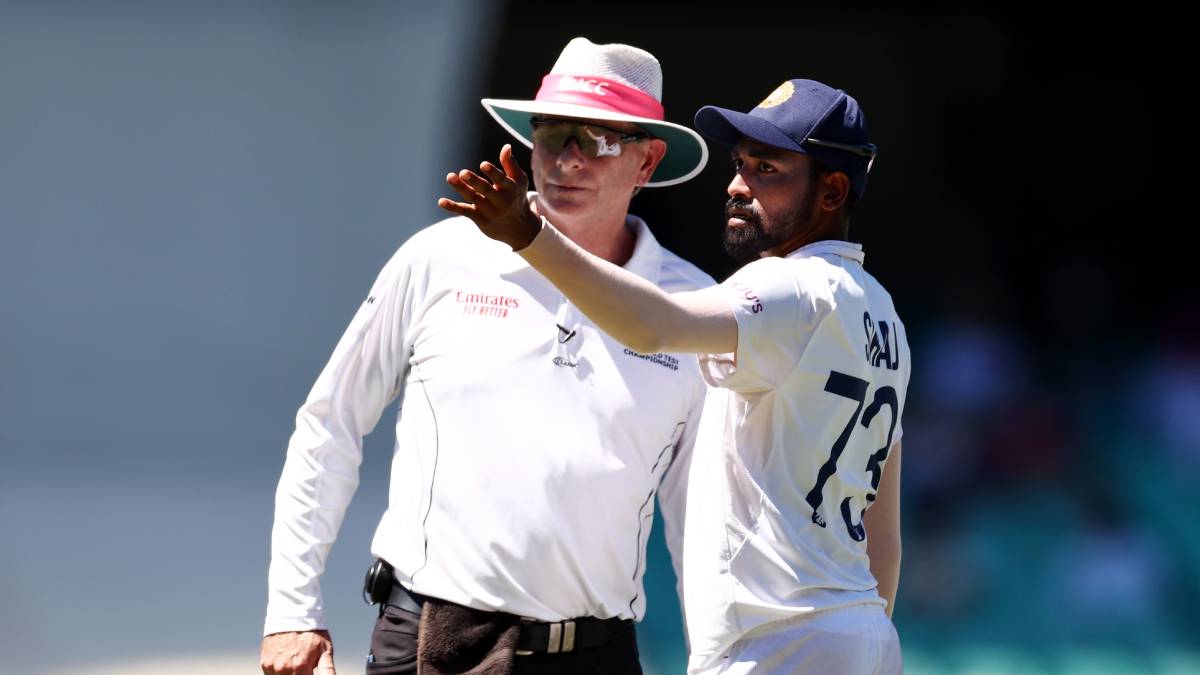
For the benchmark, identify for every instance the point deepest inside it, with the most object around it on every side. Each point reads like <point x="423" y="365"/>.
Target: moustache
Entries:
<point x="739" y="208"/>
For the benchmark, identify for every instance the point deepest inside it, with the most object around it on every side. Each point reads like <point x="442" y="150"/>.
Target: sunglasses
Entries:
<point x="593" y="139"/>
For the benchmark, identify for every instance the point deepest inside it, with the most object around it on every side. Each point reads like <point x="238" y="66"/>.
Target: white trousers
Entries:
<point x="855" y="640"/>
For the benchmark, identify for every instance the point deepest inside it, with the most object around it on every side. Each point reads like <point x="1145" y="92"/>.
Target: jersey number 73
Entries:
<point x="855" y="389"/>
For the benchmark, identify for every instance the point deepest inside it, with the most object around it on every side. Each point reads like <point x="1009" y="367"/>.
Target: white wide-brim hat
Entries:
<point x="612" y="82"/>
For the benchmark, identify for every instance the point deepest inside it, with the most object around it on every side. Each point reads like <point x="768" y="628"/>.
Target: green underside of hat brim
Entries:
<point x="686" y="152"/>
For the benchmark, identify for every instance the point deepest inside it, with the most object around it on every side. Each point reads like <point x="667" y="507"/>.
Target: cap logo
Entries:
<point x="781" y="94"/>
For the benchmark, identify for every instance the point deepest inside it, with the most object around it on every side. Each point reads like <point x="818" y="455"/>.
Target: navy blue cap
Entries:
<point x="803" y="116"/>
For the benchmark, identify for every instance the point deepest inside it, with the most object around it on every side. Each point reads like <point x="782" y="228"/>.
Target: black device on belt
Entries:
<point x="381" y="588"/>
<point x="377" y="586"/>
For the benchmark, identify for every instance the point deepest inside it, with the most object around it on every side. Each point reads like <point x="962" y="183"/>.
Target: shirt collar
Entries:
<point x="846" y="249"/>
<point x="646" y="260"/>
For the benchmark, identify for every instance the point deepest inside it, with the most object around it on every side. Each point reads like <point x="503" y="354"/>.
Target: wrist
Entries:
<point x="535" y="224"/>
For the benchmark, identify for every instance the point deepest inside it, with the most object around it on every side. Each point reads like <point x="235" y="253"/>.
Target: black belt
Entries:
<point x="405" y="599"/>
<point x="537" y="636"/>
<point x="569" y="635"/>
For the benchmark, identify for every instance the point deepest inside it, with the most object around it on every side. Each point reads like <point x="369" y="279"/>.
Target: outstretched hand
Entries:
<point x="496" y="201"/>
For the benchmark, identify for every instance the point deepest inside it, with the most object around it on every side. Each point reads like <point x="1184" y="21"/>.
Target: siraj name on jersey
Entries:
<point x="882" y="349"/>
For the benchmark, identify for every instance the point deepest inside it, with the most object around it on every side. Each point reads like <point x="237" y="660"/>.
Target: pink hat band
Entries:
<point x="600" y="93"/>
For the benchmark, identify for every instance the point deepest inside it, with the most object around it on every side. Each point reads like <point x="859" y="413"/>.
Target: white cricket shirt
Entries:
<point x="792" y="442"/>
<point x="529" y="444"/>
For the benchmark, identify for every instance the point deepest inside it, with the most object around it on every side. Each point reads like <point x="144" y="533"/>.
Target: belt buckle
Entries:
<point x="562" y="637"/>
<point x="560" y="641"/>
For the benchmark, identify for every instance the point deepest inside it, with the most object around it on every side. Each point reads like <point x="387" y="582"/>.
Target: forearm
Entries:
<point x="632" y="310"/>
<point x="315" y="488"/>
<point x="320" y="475"/>
<point x="885" y="566"/>
<point x="882" y="522"/>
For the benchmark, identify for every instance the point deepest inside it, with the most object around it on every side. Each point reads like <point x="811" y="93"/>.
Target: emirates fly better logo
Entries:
<point x="483" y="304"/>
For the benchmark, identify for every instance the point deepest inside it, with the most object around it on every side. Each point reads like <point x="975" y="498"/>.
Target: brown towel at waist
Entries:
<point x="457" y="640"/>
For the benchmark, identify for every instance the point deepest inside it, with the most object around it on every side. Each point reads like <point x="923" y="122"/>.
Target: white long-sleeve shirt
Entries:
<point x="529" y="445"/>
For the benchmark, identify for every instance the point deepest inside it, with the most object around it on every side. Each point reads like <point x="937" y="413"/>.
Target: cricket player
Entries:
<point x="792" y="539"/>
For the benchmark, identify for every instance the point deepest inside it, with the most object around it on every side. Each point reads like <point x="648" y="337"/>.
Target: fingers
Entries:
<point x="494" y="174"/>
<point x="296" y="665"/>
<point x="271" y="658"/>
<point x="325" y="665"/>
<point x="461" y="187"/>
<point x="294" y="653"/>
<point x="510" y="165"/>
<point x="293" y="666"/>
<point x="512" y="169"/>
<point x="457" y="208"/>
<point x="491" y="194"/>
<point x="475" y="182"/>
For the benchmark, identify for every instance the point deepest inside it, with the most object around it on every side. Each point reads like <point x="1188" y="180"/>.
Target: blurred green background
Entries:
<point x="1052" y="434"/>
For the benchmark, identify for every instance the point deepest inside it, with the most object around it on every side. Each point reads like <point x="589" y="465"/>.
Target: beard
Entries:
<point x="745" y="243"/>
<point x="749" y="241"/>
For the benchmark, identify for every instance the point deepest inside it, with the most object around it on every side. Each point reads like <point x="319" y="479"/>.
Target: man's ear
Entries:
<point x="656" y="149"/>
<point x="833" y="191"/>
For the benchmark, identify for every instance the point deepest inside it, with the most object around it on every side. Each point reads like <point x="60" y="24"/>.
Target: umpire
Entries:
<point x="506" y="546"/>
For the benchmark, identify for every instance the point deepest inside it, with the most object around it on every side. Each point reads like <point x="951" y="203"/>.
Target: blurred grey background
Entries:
<point x="194" y="196"/>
